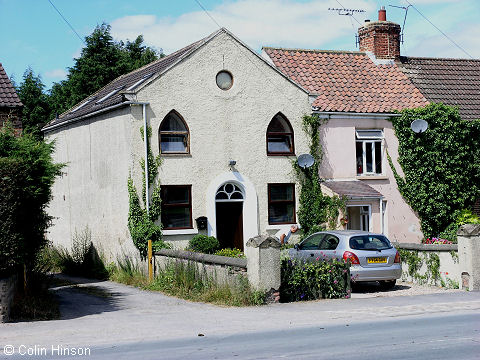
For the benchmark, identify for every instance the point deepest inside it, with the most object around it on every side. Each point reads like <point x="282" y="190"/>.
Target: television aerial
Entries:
<point x="419" y="126"/>
<point x="305" y="160"/>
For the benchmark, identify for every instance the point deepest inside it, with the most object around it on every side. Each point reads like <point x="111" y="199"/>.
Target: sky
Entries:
<point x="34" y="34"/>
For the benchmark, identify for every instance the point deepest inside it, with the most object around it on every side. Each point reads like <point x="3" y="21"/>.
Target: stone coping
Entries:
<point x="203" y="258"/>
<point x="426" y="247"/>
<point x="469" y="230"/>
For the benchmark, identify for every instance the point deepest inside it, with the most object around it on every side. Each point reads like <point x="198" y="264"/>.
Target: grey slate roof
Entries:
<point x="8" y="95"/>
<point x="92" y="104"/>
<point x="450" y="81"/>
<point x="352" y="189"/>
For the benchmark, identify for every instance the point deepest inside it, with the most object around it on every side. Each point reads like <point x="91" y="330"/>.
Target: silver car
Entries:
<point x="372" y="256"/>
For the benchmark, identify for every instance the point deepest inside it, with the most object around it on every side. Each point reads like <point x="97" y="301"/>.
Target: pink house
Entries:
<point x="357" y="93"/>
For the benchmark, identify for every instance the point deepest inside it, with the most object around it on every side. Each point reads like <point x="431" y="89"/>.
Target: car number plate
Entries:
<point x="376" y="260"/>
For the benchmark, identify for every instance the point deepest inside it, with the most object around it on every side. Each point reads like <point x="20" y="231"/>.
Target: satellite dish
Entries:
<point x="419" y="126"/>
<point x="305" y="160"/>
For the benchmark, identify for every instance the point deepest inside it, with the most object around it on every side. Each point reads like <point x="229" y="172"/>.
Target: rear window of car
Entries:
<point x="370" y="242"/>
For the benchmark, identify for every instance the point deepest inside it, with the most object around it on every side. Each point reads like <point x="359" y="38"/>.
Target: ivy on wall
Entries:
<point x="141" y="225"/>
<point x="441" y="165"/>
<point x="415" y="259"/>
<point x="316" y="211"/>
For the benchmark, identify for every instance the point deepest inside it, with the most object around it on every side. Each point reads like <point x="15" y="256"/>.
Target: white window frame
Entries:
<point x="362" y="138"/>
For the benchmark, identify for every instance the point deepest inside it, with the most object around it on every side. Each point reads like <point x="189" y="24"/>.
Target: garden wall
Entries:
<point x="430" y="264"/>
<point x="7" y="292"/>
<point x="222" y="268"/>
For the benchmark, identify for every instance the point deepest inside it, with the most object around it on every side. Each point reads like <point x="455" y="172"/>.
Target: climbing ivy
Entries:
<point x="441" y="165"/>
<point x="316" y="210"/>
<point x="415" y="261"/>
<point x="141" y="225"/>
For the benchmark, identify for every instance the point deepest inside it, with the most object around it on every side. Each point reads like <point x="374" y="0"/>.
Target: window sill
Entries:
<point x="280" y="226"/>
<point x="180" y="232"/>
<point x="281" y="154"/>
<point x="372" y="177"/>
<point x="175" y="155"/>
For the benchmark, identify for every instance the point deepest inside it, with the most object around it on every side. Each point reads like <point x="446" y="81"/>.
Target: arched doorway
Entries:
<point x="229" y="209"/>
<point x="249" y="204"/>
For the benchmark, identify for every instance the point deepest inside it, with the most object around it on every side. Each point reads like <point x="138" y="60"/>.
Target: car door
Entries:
<point x="308" y="249"/>
<point x="328" y="247"/>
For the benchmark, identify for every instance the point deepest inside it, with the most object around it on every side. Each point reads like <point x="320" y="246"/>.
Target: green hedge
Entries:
<point x="314" y="280"/>
<point x="27" y="173"/>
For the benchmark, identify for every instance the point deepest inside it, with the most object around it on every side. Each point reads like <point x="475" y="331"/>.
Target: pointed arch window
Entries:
<point x="280" y="136"/>
<point x="174" y="135"/>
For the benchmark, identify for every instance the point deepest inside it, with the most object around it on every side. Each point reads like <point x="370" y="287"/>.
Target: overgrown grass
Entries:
<point x="81" y="260"/>
<point x="185" y="280"/>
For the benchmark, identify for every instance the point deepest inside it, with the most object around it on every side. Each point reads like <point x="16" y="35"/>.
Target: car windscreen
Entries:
<point x="369" y="242"/>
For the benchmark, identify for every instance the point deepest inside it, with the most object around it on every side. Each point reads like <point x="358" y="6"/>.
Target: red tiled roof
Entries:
<point x="450" y="81"/>
<point x="347" y="81"/>
<point x="8" y="95"/>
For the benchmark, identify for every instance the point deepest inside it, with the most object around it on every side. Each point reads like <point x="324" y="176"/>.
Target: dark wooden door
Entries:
<point x="230" y="224"/>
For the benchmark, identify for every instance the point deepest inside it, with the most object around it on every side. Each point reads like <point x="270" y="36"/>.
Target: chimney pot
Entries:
<point x="382" y="14"/>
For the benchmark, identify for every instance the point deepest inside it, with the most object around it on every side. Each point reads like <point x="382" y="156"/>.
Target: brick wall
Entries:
<point x="382" y="38"/>
<point x="12" y="115"/>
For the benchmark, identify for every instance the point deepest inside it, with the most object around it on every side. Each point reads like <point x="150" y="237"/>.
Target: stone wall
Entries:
<point x="469" y="253"/>
<point x="7" y="292"/>
<point x="430" y="264"/>
<point x="221" y="268"/>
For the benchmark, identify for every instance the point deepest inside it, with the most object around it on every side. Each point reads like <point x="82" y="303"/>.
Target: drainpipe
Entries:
<point x="382" y="225"/>
<point x="145" y="139"/>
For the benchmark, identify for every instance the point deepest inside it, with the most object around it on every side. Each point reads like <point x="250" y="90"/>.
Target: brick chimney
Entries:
<point x="381" y="37"/>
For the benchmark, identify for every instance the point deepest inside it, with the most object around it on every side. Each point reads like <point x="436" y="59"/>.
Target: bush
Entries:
<point x="27" y="173"/>
<point x="314" y="280"/>
<point x="204" y="244"/>
<point x="235" y="253"/>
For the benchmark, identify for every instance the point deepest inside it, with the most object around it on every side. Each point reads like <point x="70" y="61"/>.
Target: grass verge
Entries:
<point x="185" y="280"/>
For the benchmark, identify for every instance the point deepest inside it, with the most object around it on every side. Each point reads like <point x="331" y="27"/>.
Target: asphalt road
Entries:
<point x="113" y="321"/>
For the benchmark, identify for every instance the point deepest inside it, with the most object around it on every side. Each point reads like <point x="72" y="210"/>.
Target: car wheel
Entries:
<point x="387" y="284"/>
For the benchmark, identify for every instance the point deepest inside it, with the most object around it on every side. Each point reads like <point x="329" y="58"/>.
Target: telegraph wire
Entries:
<point x="71" y="27"/>
<point x="436" y="27"/>
<point x="280" y="90"/>
<point x="346" y="9"/>
<point x="206" y="12"/>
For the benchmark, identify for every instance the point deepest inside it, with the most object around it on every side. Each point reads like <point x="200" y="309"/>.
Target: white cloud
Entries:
<point x="56" y="74"/>
<point x="306" y="25"/>
<point x="256" y="22"/>
<point x="439" y="46"/>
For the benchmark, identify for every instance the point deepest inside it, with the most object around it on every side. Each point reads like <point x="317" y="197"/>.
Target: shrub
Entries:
<point x="314" y="280"/>
<point x="235" y="253"/>
<point x="204" y="244"/>
<point x="27" y="173"/>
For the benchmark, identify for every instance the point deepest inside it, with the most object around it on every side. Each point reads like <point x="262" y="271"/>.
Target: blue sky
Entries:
<point x="33" y="34"/>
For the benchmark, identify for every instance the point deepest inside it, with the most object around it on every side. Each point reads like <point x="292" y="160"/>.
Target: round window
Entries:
<point x="224" y="80"/>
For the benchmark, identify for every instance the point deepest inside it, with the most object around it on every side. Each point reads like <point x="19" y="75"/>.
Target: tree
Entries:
<point x="27" y="173"/>
<point x="441" y="165"/>
<point x="36" y="108"/>
<point x="101" y="61"/>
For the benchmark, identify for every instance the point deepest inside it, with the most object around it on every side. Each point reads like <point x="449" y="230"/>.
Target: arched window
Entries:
<point x="174" y="136"/>
<point x="280" y="136"/>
